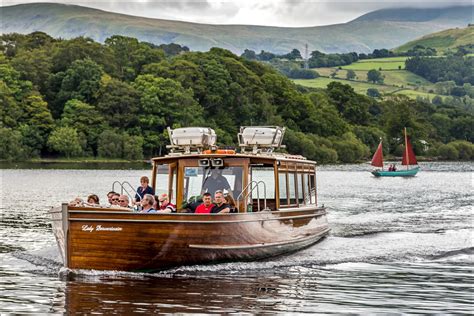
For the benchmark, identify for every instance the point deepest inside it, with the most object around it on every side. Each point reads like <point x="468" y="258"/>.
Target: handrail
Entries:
<point x="123" y="189"/>
<point x="255" y="185"/>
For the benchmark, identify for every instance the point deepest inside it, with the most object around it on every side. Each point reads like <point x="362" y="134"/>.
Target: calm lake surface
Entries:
<point x="396" y="246"/>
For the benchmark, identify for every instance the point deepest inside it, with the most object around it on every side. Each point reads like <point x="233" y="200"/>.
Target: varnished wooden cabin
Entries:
<point x="276" y="199"/>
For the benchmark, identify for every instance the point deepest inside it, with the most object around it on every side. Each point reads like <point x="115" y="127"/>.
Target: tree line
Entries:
<point x="80" y="98"/>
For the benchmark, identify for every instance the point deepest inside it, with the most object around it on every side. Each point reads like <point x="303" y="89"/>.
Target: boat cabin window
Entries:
<point x="283" y="185"/>
<point x="297" y="184"/>
<point x="267" y="176"/>
<point x="166" y="181"/>
<point x="198" y="180"/>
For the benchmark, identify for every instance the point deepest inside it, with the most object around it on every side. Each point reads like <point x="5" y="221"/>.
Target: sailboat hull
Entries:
<point x="398" y="173"/>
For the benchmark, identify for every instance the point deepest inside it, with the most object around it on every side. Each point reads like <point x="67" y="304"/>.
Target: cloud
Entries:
<point x="290" y="13"/>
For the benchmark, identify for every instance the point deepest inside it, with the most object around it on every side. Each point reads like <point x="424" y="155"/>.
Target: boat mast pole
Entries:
<point x="406" y="147"/>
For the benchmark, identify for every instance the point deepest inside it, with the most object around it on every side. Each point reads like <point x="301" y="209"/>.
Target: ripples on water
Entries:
<point x="396" y="246"/>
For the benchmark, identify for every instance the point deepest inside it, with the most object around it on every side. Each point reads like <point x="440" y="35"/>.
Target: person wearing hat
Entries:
<point x="165" y="205"/>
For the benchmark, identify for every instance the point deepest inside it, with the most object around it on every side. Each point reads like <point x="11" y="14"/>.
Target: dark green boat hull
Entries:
<point x="398" y="173"/>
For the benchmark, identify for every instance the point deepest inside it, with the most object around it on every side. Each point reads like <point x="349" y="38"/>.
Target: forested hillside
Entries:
<point x="114" y="100"/>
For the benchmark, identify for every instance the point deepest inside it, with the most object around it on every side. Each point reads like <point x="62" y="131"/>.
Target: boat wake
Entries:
<point x="44" y="262"/>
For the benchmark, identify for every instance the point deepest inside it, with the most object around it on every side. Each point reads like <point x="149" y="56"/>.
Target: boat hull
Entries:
<point x="398" y="173"/>
<point x="94" y="238"/>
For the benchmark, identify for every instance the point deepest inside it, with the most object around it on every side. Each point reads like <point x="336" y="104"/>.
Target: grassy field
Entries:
<point x="399" y="78"/>
<point x="359" y="87"/>
<point x="393" y="63"/>
<point x="442" y="41"/>
<point x="395" y="81"/>
<point x="414" y="94"/>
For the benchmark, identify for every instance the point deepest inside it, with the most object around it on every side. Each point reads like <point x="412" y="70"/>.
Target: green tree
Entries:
<point x="110" y="144"/>
<point x="86" y="120"/>
<point x="375" y="76"/>
<point x="465" y="149"/>
<point x="448" y="152"/>
<point x="132" y="147"/>
<point x="350" y="75"/>
<point x="34" y="66"/>
<point x="11" y="145"/>
<point x="118" y="103"/>
<point x="374" y="93"/>
<point x="353" y="107"/>
<point x="10" y="110"/>
<point x="164" y="102"/>
<point x="65" y="141"/>
<point x="349" y="148"/>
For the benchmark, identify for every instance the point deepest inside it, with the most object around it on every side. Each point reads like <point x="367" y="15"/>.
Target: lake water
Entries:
<point x="396" y="246"/>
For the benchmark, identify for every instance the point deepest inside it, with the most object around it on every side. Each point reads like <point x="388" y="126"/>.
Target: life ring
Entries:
<point x="219" y="152"/>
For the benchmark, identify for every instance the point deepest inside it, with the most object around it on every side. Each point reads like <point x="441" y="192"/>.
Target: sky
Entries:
<point x="289" y="13"/>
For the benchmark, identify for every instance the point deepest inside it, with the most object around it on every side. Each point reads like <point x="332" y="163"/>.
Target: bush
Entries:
<point x="374" y="93"/>
<point x="448" y="152"/>
<point x="132" y="147"/>
<point x="350" y="149"/>
<point x="65" y="141"/>
<point x="110" y="144"/>
<point x="10" y="145"/>
<point x="464" y="148"/>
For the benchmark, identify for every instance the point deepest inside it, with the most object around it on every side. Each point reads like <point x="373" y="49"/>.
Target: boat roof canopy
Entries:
<point x="255" y="142"/>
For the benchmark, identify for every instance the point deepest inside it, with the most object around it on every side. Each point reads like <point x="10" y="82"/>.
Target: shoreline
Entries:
<point x="118" y="164"/>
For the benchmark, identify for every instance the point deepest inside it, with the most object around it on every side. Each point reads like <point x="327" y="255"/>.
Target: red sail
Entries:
<point x="409" y="157"/>
<point x="377" y="160"/>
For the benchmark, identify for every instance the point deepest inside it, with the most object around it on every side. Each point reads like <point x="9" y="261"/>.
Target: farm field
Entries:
<point x="392" y="63"/>
<point x="359" y="87"/>
<point x="414" y="94"/>
<point x="400" y="78"/>
<point x="397" y="81"/>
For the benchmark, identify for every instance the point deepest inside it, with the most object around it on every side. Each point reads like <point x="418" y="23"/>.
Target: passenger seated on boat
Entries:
<point x="115" y="200"/>
<point x="220" y="205"/>
<point x="147" y="204"/>
<point x="215" y="181"/>
<point x="143" y="189"/>
<point x="230" y="200"/>
<point x="193" y="202"/>
<point x="109" y="197"/>
<point x="76" y="202"/>
<point x="93" y="199"/>
<point x="165" y="205"/>
<point x="394" y="168"/>
<point x="390" y="168"/>
<point x="124" y="201"/>
<point x="206" y="206"/>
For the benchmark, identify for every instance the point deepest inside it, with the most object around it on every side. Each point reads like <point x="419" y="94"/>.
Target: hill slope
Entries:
<point x="443" y="41"/>
<point x="378" y="29"/>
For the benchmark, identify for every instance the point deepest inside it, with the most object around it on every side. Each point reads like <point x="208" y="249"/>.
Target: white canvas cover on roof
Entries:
<point x="261" y="136"/>
<point x="193" y="136"/>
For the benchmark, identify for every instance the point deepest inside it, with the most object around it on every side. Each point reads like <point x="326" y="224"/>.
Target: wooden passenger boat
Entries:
<point x="275" y="195"/>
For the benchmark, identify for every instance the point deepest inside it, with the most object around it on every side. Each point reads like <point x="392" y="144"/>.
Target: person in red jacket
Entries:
<point x="206" y="206"/>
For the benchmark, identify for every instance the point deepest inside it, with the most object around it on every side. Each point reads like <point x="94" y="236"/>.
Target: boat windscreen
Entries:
<point x="198" y="180"/>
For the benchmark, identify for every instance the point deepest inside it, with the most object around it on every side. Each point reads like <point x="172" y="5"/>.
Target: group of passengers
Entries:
<point x="147" y="202"/>
<point x="221" y="204"/>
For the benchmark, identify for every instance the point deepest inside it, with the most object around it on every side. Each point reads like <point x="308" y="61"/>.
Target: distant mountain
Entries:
<point x="379" y="29"/>
<point x="444" y="40"/>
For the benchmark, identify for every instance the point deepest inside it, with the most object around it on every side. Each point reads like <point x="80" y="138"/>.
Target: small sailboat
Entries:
<point x="409" y="159"/>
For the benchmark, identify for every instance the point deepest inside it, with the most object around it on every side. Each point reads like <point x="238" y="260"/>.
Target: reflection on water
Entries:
<point x="355" y="287"/>
<point x="396" y="246"/>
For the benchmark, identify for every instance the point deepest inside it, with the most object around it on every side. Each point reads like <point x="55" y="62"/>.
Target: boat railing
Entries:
<point x="123" y="188"/>
<point x="254" y="185"/>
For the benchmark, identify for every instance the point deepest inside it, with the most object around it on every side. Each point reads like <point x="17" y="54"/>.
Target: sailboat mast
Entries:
<point x="406" y="147"/>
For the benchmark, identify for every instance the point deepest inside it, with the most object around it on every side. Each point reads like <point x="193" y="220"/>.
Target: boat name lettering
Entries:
<point x="89" y="228"/>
